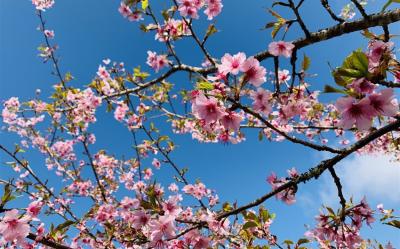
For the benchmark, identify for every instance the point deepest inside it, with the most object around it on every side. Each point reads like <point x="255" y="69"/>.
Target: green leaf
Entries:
<point x="249" y="224"/>
<point x="303" y="241"/>
<point x="7" y="195"/>
<point x="355" y="66"/>
<point x="145" y="4"/>
<point x="211" y="30"/>
<point x="394" y="223"/>
<point x="205" y="85"/>
<point x="305" y="64"/>
<point x="331" y="89"/>
<point x="288" y="242"/>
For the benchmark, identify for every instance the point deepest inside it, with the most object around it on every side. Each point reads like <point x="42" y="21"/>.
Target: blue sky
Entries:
<point x="89" y="31"/>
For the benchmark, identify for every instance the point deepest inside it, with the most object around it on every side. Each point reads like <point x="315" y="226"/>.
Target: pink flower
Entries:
<point x="49" y="33"/>
<point x="164" y="226"/>
<point x="34" y="208"/>
<point x="103" y="73"/>
<point x="214" y="7"/>
<point x="362" y="86"/>
<point x="43" y="4"/>
<point x="231" y="64"/>
<point x="147" y="173"/>
<point x="173" y="187"/>
<point x="281" y="48"/>
<point x="120" y="111"/>
<point x="124" y="10"/>
<point x="64" y="150"/>
<point x="157" y="62"/>
<point x="376" y="50"/>
<point x="140" y="218"/>
<point x="207" y="109"/>
<point x="383" y="103"/>
<point x="156" y="163"/>
<point x="231" y="121"/>
<point x="283" y="76"/>
<point x="262" y="101"/>
<point x="254" y="73"/>
<point x="352" y="112"/>
<point x="135" y="16"/>
<point x="12" y="227"/>
<point x="189" y="8"/>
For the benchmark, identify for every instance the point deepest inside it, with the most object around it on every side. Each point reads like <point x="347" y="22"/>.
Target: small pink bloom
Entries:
<point x="12" y="227"/>
<point x="43" y="4"/>
<point x="283" y="76"/>
<point x="135" y="17"/>
<point x="157" y="62"/>
<point x="120" y="111"/>
<point x="124" y="10"/>
<point x="34" y="208"/>
<point x="49" y="33"/>
<point x="262" y="101"/>
<point x="214" y="7"/>
<point x="352" y="112"/>
<point x="231" y="64"/>
<point x="254" y="73"/>
<point x="103" y="73"/>
<point x="156" y="163"/>
<point x="281" y="48"/>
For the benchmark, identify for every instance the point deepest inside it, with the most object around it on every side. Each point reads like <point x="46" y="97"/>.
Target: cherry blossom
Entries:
<point x="231" y="64"/>
<point x="13" y="227"/>
<point x="43" y="4"/>
<point x="384" y="103"/>
<point x="207" y="108"/>
<point x="281" y="48"/>
<point x="157" y="62"/>
<point x="355" y="112"/>
<point x="253" y="71"/>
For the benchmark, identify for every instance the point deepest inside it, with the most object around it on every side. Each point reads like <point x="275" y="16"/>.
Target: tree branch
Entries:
<point x="47" y="242"/>
<point x="316" y="171"/>
<point x="327" y="7"/>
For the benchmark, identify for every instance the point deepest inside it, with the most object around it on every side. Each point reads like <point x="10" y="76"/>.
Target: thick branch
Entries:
<point x="379" y="19"/>
<point x="47" y="242"/>
<point x="374" y="20"/>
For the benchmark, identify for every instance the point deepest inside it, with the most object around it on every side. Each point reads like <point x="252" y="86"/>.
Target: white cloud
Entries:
<point x="376" y="177"/>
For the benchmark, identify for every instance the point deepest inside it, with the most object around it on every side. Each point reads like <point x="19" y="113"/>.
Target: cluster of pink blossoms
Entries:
<point x="157" y="62"/>
<point x="64" y="150"/>
<point x="331" y="231"/>
<point x="85" y="104"/>
<point x="251" y="68"/>
<point x="191" y="7"/>
<point x="288" y="195"/>
<point x="172" y="29"/>
<point x="361" y="112"/>
<point x="43" y="4"/>
<point x="369" y="103"/>
<point x="210" y="111"/>
<point x="126" y="12"/>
